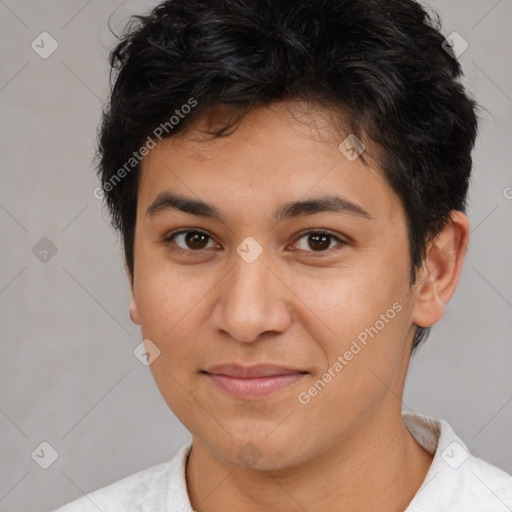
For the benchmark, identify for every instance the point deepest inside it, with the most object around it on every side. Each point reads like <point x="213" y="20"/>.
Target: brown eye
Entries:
<point x="196" y="240"/>
<point x="317" y="241"/>
<point x="190" y="240"/>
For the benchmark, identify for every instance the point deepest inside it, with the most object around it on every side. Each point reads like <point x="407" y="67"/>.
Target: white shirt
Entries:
<point x="455" y="482"/>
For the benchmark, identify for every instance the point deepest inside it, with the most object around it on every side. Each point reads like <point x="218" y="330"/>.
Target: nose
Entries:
<point x="251" y="301"/>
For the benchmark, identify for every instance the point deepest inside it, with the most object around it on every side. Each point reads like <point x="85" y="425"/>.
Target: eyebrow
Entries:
<point x="329" y="204"/>
<point x="166" y="201"/>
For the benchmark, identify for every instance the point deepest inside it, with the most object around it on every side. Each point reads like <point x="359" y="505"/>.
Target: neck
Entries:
<point x="378" y="466"/>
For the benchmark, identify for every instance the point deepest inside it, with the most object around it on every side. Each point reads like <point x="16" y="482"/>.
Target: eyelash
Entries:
<point x="168" y="241"/>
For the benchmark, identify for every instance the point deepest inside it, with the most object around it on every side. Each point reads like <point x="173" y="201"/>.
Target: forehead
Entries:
<point x="275" y="153"/>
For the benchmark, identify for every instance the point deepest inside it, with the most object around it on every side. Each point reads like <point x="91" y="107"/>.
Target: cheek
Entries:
<point x="362" y="352"/>
<point x="358" y="318"/>
<point x="172" y="305"/>
<point x="166" y="309"/>
<point x="347" y="300"/>
<point x="163" y="291"/>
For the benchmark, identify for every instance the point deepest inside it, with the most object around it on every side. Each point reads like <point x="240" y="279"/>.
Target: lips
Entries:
<point x="254" y="382"/>
<point x="249" y="372"/>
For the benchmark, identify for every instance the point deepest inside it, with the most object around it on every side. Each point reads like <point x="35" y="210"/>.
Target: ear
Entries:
<point x="134" y="313"/>
<point x="438" y="277"/>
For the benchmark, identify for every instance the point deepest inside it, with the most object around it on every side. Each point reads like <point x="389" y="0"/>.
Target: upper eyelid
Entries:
<point x="300" y="234"/>
<point x="169" y="235"/>
<point x="327" y="232"/>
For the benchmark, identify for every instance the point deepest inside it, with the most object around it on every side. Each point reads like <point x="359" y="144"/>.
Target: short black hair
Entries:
<point x="380" y="64"/>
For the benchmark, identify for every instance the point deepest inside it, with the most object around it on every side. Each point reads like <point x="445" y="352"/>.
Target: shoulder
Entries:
<point x="490" y="484"/>
<point x="135" y="492"/>
<point x="479" y="482"/>
<point x="145" y="491"/>
<point x="457" y="481"/>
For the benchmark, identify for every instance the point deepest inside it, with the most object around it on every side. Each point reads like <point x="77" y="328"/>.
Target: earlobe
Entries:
<point x="437" y="279"/>
<point x="134" y="313"/>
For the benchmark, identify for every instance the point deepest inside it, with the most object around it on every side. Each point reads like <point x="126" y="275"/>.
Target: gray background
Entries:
<point x="67" y="372"/>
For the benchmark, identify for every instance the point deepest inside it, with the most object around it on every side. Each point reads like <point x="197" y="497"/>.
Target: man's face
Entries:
<point x="328" y="287"/>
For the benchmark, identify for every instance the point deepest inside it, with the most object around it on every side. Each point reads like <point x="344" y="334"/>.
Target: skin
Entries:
<point x="292" y="306"/>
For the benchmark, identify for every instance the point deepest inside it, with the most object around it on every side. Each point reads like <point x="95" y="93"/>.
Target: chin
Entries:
<point x="260" y="448"/>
